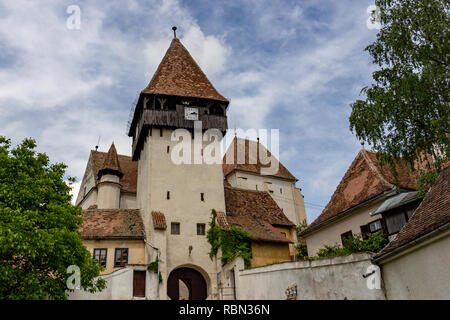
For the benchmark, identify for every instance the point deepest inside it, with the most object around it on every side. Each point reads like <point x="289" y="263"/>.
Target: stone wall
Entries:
<point x="336" y="278"/>
<point x="119" y="286"/>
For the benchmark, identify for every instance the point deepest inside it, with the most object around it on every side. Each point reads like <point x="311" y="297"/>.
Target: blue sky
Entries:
<point x="291" y="65"/>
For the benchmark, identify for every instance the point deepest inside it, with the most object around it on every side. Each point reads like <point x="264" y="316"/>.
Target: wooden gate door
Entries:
<point x="139" y="283"/>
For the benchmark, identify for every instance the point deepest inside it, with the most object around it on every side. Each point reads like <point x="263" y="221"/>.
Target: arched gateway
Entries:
<point x="186" y="283"/>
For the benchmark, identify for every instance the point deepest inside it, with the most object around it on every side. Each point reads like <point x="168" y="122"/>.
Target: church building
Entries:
<point x="145" y="209"/>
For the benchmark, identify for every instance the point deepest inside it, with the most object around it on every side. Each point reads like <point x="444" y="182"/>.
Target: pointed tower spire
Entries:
<point x="111" y="164"/>
<point x="179" y="75"/>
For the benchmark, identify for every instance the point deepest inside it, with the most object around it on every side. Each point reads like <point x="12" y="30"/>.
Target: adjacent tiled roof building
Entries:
<point x="125" y="165"/>
<point x="111" y="163"/>
<point x="251" y="162"/>
<point x="100" y="224"/>
<point x="256" y="213"/>
<point x="433" y="213"/>
<point x="178" y="74"/>
<point x="365" y="179"/>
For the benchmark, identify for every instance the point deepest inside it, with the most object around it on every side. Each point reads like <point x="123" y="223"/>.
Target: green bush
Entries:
<point x="301" y="251"/>
<point x="373" y="243"/>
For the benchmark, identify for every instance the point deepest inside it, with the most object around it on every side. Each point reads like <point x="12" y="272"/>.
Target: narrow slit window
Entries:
<point x="168" y="149"/>
<point x="168" y="195"/>
<point x="202" y="196"/>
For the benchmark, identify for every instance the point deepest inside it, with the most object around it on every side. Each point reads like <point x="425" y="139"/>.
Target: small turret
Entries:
<point x="109" y="181"/>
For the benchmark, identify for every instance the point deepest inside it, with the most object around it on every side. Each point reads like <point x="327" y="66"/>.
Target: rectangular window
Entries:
<point x="168" y="195"/>
<point x="395" y="222"/>
<point x="175" y="228"/>
<point x="168" y="149"/>
<point x="201" y="229"/>
<point x="100" y="255"/>
<point x="375" y="226"/>
<point x="281" y="191"/>
<point x="121" y="257"/>
<point x="202" y="196"/>
<point x="346" y="235"/>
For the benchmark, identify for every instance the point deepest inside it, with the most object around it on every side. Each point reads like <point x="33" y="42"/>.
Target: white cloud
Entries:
<point x="281" y="66"/>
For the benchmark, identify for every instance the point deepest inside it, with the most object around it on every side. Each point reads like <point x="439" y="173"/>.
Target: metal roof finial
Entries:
<point x="174" y="31"/>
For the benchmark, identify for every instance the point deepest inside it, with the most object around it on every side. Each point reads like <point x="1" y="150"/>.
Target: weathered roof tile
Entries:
<point x="432" y="213"/>
<point x="159" y="220"/>
<point x="127" y="166"/>
<point x="112" y="224"/>
<point x="178" y="74"/>
<point x="256" y="213"/>
<point x="232" y="159"/>
<point x="364" y="180"/>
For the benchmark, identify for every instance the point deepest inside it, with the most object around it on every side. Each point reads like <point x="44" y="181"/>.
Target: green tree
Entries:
<point x="39" y="235"/>
<point x="406" y="113"/>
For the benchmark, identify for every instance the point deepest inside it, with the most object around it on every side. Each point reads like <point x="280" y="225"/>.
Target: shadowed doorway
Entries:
<point x="186" y="284"/>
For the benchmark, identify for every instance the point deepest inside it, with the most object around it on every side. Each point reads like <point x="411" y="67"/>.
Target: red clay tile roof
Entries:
<point x="249" y="165"/>
<point x="222" y="221"/>
<point x="178" y="74"/>
<point x="432" y="213"/>
<point x="159" y="220"/>
<point x="127" y="166"/>
<point x="111" y="162"/>
<point x="256" y="213"/>
<point x="112" y="224"/>
<point x="364" y="180"/>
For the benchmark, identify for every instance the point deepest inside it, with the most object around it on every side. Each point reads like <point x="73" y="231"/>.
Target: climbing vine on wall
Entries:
<point x="231" y="242"/>
<point x="153" y="267"/>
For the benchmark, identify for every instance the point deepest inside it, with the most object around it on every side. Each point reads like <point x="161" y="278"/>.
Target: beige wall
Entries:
<point x="299" y="202"/>
<point x="337" y="278"/>
<point x="157" y="175"/>
<point x="331" y="233"/>
<point x="136" y="251"/>
<point x="421" y="273"/>
<point x="86" y="197"/>
<point x="89" y="200"/>
<point x="108" y="192"/>
<point x="128" y="200"/>
<point x="264" y="253"/>
<point x="285" y="194"/>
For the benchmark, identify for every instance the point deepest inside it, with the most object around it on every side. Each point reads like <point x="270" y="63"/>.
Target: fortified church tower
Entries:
<point x="175" y="200"/>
